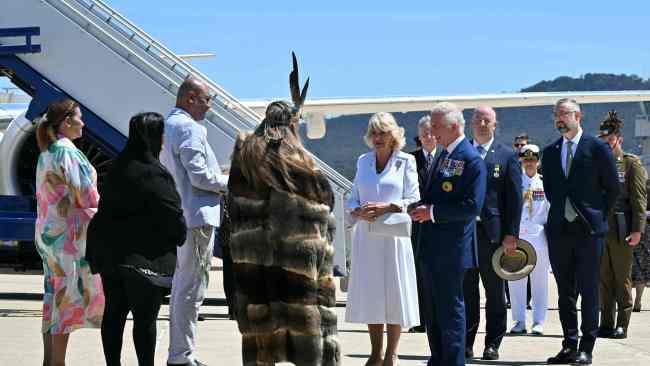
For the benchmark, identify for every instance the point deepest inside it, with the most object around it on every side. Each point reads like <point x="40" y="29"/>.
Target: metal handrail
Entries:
<point x="224" y="106"/>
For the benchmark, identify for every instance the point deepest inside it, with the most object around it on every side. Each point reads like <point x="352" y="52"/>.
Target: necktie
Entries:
<point x="429" y="162"/>
<point x="569" y="213"/>
<point x="481" y="151"/>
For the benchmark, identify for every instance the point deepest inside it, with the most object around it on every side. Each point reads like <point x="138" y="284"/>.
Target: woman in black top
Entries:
<point x="133" y="238"/>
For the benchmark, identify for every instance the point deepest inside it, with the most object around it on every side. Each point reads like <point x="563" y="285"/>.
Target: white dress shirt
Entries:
<point x="486" y="147"/>
<point x="563" y="153"/>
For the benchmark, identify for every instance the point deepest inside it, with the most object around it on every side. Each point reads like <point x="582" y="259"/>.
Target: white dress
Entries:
<point x="382" y="287"/>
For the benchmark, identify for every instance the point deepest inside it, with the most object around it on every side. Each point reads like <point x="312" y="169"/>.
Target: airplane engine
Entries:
<point x="20" y="152"/>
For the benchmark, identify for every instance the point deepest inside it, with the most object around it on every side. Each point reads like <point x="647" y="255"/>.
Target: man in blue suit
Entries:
<point x="447" y="213"/>
<point x="497" y="225"/>
<point x="581" y="184"/>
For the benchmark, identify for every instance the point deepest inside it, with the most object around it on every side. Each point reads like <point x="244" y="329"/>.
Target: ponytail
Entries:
<point x="49" y="125"/>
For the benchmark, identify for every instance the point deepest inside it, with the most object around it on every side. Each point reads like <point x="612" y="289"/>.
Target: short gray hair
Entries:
<point x="385" y="122"/>
<point x="450" y="112"/>
<point x="570" y="103"/>
<point x="423" y="122"/>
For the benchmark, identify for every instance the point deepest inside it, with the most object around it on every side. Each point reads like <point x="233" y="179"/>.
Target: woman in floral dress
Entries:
<point x="66" y="194"/>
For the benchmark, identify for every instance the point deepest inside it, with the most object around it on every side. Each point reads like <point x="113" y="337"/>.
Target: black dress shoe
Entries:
<point x="565" y="356"/>
<point x="619" y="333"/>
<point x="469" y="353"/>
<point x="583" y="358"/>
<point x="417" y="329"/>
<point x="605" y="332"/>
<point x="491" y="353"/>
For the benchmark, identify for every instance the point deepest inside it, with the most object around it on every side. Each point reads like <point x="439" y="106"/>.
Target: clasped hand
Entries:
<point x="369" y="211"/>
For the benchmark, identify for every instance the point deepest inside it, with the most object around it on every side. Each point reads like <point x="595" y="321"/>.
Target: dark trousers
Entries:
<point x="575" y="259"/>
<point x="418" y="271"/>
<point x="127" y="291"/>
<point x="444" y="315"/>
<point x="495" y="306"/>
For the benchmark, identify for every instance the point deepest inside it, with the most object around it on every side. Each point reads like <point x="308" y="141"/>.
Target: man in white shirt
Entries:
<point x="200" y="183"/>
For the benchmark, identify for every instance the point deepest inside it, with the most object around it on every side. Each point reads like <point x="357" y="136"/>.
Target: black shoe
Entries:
<point x="619" y="333"/>
<point x="469" y="353"/>
<point x="605" y="332"/>
<point x="417" y="329"/>
<point x="583" y="358"/>
<point x="565" y="356"/>
<point x="491" y="353"/>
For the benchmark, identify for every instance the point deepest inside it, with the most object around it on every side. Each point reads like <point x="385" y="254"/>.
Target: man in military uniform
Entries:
<point x="626" y="222"/>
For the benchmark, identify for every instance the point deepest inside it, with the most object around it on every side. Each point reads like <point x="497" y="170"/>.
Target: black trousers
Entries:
<point x="127" y="291"/>
<point x="575" y="259"/>
<point x="495" y="306"/>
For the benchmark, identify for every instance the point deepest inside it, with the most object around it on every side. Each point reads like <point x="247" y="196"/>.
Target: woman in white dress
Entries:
<point x="533" y="217"/>
<point x="382" y="286"/>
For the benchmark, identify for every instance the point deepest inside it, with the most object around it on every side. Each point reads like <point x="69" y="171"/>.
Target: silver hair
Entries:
<point x="451" y="114"/>
<point x="384" y="121"/>
<point x="569" y="103"/>
<point x="423" y="122"/>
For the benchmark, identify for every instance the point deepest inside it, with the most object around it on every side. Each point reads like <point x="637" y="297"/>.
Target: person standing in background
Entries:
<point x="426" y="157"/>
<point x="201" y="184"/>
<point x="626" y="222"/>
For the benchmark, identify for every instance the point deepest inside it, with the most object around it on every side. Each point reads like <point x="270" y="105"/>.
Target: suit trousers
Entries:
<point x="616" y="284"/>
<point x="127" y="291"/>
<point x="188" y="291"/>
<point x="444" y="315"/>
<point x="495" y="306"/>
<point x="418" y="270"/>
<point x="575" y="259"/>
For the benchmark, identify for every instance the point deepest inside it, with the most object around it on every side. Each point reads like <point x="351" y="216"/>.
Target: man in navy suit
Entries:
<point x="426" y="157"/>
<point x="497" y="225"/>
<point x="447" y="215"/>
<point x="581" y="184"/>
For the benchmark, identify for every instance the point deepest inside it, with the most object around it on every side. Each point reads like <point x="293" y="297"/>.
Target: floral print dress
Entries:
<point x="67" y="198"/>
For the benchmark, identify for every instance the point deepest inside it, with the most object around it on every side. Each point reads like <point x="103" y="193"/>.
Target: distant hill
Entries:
<point x="591" y="82"/>
<point x="343" y="142"/>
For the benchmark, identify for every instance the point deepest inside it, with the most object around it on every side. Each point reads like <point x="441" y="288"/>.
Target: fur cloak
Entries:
<point x="281" y="247"/>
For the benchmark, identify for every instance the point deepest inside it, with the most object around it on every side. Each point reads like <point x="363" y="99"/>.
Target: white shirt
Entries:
<point x="486" y="147"/>
<point x="563" y="152"/>
<point x="449" y="149"/>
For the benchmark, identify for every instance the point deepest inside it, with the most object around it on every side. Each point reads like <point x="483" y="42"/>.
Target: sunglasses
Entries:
<point x="519" y="145"/>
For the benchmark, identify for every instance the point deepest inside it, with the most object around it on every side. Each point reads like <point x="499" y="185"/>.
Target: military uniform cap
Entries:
<point x="612" y="125"/>
<point x="529" y="151"/>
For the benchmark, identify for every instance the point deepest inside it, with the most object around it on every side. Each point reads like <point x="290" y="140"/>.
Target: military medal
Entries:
<point x="497" y="170"/>
<point x="447" y="186"/>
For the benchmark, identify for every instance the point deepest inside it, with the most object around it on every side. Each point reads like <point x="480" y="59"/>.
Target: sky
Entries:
<point x="399" y="48"/>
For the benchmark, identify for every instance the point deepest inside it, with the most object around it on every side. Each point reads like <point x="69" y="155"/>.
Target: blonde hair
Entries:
<point x="385" y="122"/>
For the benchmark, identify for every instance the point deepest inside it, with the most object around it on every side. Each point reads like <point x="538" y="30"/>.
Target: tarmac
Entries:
<point x="219" y="339"/>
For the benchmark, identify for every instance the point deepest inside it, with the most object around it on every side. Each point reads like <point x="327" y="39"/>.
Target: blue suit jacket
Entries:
<point x="592" y="184"/>
<point x="501" y="213"/>
<point x="457" y="198"/>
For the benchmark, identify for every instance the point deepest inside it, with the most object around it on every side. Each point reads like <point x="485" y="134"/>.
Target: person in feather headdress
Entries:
<point x="281" y="229"/>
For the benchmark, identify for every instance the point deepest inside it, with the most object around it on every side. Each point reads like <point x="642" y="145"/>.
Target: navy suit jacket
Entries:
<point x="457" y="198"/>
<point x="501" y="213"/>
<point x="592" y="185"/>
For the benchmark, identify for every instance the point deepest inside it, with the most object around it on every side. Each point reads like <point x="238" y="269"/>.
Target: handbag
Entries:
<point x="155" y="278"/>
<point x="394" y="224"/>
